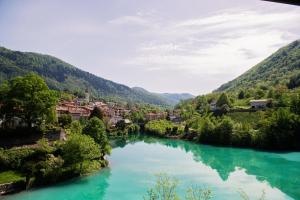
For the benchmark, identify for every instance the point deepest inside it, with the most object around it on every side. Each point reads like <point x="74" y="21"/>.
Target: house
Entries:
<point x="74" y="110"/>
<point x="156" y="116"/>
<point x="114" y="120"/>
<point x="260" y="103"/>
<point x="174" y="116"/>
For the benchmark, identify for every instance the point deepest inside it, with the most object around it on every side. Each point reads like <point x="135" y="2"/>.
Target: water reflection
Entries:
<point x="91" y="187"/>
<point x="280" y="170"/>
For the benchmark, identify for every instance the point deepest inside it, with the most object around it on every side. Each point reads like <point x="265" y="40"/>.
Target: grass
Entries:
<point x="10" y="176"/>
<point x="245" y="117"/>
<point x="241" y="103"/>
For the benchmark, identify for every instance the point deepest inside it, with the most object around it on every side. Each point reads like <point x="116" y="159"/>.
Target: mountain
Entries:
<point x="175" y="98"/>
<point x="278" y="68"/>
<point x="60" y="75"/>
<point x="170" y="98"/>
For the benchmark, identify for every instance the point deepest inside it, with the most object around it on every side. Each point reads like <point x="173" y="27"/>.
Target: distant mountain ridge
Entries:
<point x="175" y="98"/>
<point x="171" y="98"/>
<point x="276" y="69"/>
<point x="60" y="75"/>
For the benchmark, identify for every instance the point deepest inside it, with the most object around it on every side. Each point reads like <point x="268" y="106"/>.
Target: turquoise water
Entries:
<point x="133" y="164"/>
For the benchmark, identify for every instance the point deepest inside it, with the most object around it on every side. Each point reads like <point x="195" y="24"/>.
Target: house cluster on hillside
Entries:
<point x="156" y="116"/>
<point x="73" y="109"/>
<point x="110" y="110"/>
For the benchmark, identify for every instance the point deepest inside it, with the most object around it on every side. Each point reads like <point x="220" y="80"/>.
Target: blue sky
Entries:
<point x="161" y="45"/>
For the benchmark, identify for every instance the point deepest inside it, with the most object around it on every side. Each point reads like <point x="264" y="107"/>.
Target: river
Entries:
<point x="134" y="163"/>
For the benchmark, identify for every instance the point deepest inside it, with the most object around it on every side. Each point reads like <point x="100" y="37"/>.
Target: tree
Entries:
<point x="295" y="104"/>
<point x="97" y="112"/>
<point x="121" y="125"/>
<point x="241" y="94"/>
<point x="281" y="130"/>
<point x="223" y="99"/>
<point x="96" y="129"/>
<point x="79" y="148"/>
<point x="202" y="105"/>
<point x="224" y="131"/>
<point x="27" y="98"/>
<point x="166" y="189"/>
<point x="294" y="81"/>
<point x="137" y="117"/>
<point x="259" y="93"/>
<point x="76" y="127"/>
<point x="65" y="120"/>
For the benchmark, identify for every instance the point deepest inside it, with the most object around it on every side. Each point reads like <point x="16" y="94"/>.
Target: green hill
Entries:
<point x="60" y="75"/>
<point x="278" y="68"/>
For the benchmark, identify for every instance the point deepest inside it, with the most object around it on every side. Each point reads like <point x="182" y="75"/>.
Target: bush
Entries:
<point x="15" y="158"/>
<point x="65" y="120"/>
<point x="96" y="129"/>
<point x="162" y="128"/>
<point x="80" y="148"/>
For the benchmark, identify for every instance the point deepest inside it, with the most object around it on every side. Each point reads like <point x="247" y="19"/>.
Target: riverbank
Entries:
<point x="222" y="131"/>
<point x="15" y="186"/>
<point x="134" y="163"/>
<point x="44" y="164"/>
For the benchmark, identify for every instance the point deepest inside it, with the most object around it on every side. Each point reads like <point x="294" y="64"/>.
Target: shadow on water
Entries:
<point x="89" y="187"/>
<point x="280" y="170"/>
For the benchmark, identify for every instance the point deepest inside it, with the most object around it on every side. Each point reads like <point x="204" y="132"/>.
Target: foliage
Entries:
<point x="14" y="158"/>
<point x="65" y="120"/>
<point x="27" y="98"/>
<point x="244" y="195"/>
<point x="48" y="170"/>
<point x="133" y="129"/>
<point x="10" y="177"/>
<point x="79" y="148"/>
<point x="281" y="130"/>
<point x="294" y="81"/>
<point x="223" y="100"/>
<point x="62" y="76"/>
<point x="96" y="129"/>
<point x="76" y="127"/>
<point x="166" y="189"/>
<point x="241" y="94"/>
<point x="279" y="68"/>
<point x="195" y="193"/>
<point x="295" y="104"/>
<point x="162" y="127"/>
<point x="97" y="112"/>
<point x="202" y="105"/>
<point x="137" y="117"/>
<point x="216" y="132"/>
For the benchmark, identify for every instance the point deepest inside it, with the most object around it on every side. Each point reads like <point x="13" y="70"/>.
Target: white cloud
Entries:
<point x="225" y="43"/>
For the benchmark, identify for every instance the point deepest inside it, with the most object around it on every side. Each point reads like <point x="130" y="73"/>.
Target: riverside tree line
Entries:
<point x="29" y="100"/>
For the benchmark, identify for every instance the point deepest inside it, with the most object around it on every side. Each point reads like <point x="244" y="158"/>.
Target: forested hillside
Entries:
<point x="60" y="75"/>
<point x="282" y="67"/>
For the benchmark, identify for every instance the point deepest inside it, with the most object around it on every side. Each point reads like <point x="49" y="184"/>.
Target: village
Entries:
<point x="81" y="108"/>
<point x="112" y="112"/>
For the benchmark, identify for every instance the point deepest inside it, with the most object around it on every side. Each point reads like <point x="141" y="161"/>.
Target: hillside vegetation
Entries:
<point x="228" y="116"/>
<point x="60" y="75"/>
<point x="279" y="68"/>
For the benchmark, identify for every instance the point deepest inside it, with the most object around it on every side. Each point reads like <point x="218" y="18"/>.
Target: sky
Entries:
<point x="161" y="45"/>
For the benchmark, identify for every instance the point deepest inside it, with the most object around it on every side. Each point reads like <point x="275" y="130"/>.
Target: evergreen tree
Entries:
<point x="223" y="99"/>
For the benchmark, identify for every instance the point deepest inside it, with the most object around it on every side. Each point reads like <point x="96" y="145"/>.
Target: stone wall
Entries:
<point x="8" y="188"/>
